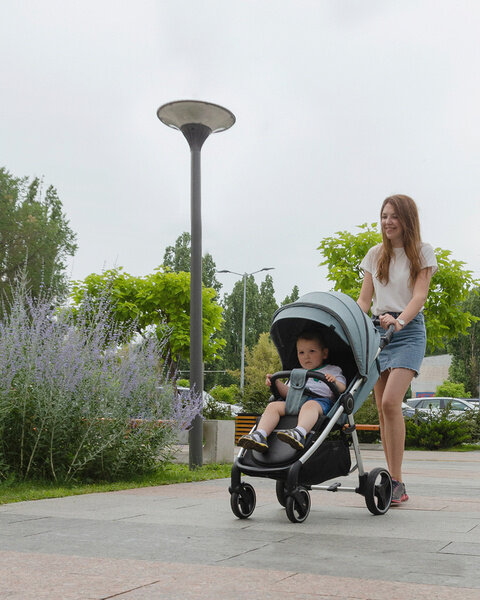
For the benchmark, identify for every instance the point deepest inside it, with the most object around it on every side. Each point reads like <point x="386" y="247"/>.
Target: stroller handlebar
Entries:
<point x="309" y="374"/>
<point x="387" y="337"/>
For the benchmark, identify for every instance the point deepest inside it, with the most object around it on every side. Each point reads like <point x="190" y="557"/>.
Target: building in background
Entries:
<point x="433" y="372"/>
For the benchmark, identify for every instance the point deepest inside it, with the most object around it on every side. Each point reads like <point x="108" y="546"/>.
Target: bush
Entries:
<point x="230" y="394"/>
<point x="436" y="432"/>
<point x="73" y="403"/>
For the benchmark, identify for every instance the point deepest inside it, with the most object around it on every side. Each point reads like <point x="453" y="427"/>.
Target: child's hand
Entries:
<point x="268" y="381"/>
<point x="329" y="377"/>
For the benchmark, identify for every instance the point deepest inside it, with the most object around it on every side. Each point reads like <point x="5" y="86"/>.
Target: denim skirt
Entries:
<point x="407" y="347"/>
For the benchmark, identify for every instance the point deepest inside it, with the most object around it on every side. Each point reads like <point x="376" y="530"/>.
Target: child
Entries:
<point x="312" y="354"/>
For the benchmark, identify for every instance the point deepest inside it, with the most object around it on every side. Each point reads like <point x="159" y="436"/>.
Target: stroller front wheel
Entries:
<point x="378" y="491"/>
<point x="298" y="506"/>
<point x="243" y="502"/>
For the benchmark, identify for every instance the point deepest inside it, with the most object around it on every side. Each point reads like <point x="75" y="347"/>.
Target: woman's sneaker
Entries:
<point x="293" y="437"/>
<point x="254" y="441"/>
<point x="399" y="493"/>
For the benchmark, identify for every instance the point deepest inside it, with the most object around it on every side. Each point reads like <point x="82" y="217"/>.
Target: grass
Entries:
<point x="18" y="491"/>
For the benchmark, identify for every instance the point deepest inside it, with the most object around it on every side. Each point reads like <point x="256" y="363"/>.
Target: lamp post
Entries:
<point x="244" y="275"/>
<point x="196" y="120"/>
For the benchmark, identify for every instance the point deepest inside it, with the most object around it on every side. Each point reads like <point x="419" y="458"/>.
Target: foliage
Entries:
<point x="229" y="394"/>
<point x="292" y="297"/>
<point x="160" y="300"/>
<point x="70" y="396"/>
<point x="465" y="349"/>
<point x="177" y="258"/>
<point x="259" y="308"/>
<point x="35" y="237"/>
<point x="449" y="389"/>
<point x="262" y="359"/>
<point x="444" y="312"/>
<point x="436" y="432"/>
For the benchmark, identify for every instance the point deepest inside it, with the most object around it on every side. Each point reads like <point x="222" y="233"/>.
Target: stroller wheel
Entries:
<point x="281" y="493"/>
<point x="378" y="491"/>
<point x="243" y="502"/>
<point x="298" y="506"/>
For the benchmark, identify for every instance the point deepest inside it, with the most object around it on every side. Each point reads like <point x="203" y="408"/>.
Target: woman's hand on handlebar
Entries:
<point x="387" y="320"/>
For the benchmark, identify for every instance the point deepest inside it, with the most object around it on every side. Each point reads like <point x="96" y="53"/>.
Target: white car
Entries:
<point x="434" y="405"/>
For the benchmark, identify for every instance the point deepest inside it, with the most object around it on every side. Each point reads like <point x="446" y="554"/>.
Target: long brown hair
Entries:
<point x="407" y="213"/>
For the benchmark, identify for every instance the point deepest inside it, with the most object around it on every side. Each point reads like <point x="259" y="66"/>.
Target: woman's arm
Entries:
<point x="419" y="297"/>
<point x="366" y="293"/>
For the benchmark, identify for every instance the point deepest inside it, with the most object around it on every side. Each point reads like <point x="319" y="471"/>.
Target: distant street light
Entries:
<point x="244" y="275"/>
<point x="196" y="120"/>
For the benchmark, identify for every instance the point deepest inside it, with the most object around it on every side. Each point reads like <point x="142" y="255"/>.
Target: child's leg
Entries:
<point x="271" y="416"/>
<point x="309" y="414"/>
<point x="268" y="421"/>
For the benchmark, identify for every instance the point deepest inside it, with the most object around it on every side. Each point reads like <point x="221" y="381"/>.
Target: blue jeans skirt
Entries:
<point x="407" y="347"/>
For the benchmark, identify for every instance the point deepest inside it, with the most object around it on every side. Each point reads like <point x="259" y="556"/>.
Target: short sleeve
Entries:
<point x="370" y="259"/>
<point x="428" y="258"/>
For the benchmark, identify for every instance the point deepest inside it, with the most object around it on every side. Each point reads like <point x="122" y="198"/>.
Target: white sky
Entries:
<point x="339" y="103"/>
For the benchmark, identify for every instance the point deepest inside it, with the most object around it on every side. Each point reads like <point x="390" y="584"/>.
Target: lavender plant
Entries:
<point x="77" y="404"/>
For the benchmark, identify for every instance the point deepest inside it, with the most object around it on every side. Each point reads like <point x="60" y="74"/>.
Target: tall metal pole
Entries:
<point x="196" y="120"/>
<point x="242" y="367"/>
<point x="196" y="134"/>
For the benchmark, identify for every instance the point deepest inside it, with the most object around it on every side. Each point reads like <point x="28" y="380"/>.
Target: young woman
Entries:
<point x="397" y="276"/>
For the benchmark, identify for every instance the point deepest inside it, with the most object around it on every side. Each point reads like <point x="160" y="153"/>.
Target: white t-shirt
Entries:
<point x="397" y="293"/>
<point x="320" y="387"/>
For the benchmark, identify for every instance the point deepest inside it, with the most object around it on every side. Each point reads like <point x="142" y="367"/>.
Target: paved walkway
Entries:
<point x="183" y="542"/>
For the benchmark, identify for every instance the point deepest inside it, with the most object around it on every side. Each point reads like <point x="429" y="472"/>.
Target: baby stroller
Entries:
<point x="354" y="345"/>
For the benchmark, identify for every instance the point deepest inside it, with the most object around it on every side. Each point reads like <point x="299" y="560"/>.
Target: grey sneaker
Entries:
<point x="292" y="437"/>
<point x="254" y="441"/>
<point x="399" y="493"/>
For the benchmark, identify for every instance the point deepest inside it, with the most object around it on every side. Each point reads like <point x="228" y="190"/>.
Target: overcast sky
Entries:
<point x="339" y="103"/>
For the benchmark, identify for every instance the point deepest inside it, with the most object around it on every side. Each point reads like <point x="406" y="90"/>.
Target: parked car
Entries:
<point x="456" y="407"/>
<point x="407" y="411"/>
<point x="210" y="400"/>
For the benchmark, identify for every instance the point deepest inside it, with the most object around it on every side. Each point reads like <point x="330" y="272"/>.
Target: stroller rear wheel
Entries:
<point x="281" y="492"/>
<point x="298" y="506"/>
<point x="378" y="491"/>
<point x="243" y="502"/>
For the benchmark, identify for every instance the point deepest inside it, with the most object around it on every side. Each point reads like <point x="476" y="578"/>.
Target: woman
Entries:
<point x="397" y="276"/>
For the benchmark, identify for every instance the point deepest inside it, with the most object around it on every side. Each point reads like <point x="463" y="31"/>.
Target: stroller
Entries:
<point x="354" y="345"/>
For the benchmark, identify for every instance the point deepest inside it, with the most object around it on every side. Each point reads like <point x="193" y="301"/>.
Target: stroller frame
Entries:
<point x="288" y="466"/>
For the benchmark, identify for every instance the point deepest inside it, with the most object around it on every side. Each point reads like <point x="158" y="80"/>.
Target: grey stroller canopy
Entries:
<point x="352" y="339"/>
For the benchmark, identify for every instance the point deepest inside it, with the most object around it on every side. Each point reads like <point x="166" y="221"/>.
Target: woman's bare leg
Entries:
<point x="393" y="437"/>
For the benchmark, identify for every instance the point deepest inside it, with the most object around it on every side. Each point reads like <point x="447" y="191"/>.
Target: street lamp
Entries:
<point x="196" y="120"/>
<point x="244" y="275"/>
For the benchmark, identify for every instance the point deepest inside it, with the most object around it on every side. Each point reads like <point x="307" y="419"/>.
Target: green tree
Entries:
<point x="450" y="389"/>
<point x="261" y="359"/>
<point x="465" y="349"/>
<point x="35" y="237"/>
<point x="295" y="295"/>
<point x="177" y="258"/>
<point x="160" y="301"/>
<point x="267" y="304"/>
<point x="444" y="313"/>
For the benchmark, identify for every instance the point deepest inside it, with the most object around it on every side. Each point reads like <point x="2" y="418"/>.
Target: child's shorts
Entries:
<point x="325" y="403"/>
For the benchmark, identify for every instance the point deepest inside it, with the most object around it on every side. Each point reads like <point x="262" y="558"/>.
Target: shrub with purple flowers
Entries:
<point x="76" y="404"/>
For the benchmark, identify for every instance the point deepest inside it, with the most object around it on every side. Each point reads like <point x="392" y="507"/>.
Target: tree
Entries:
<point x="261" y="359"/>
<point x="465" y="349"/>
<point x="450" y="389"/>
<point x="267" y="304"/>
<point x="35" y="237"/>
<point x="177" y="258"/>
<point x="444" y="313"/>
<point x="160" y="301"/>
<point x="292" y="297"/>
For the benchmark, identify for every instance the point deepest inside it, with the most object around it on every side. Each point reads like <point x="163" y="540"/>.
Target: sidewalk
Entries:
<point x="183" y="542"/>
